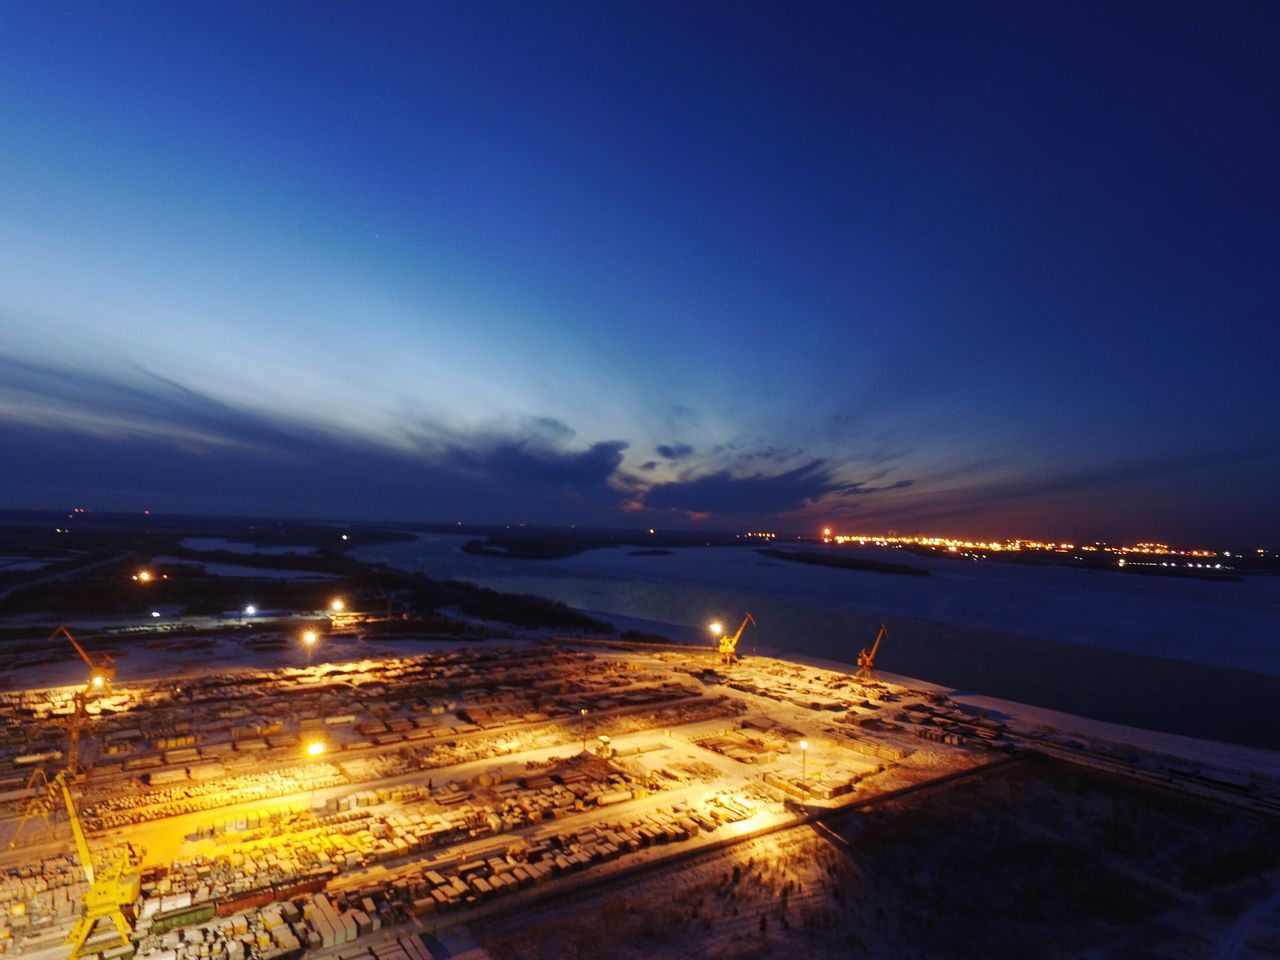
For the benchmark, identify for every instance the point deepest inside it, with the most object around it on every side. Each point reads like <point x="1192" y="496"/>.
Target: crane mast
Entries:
<point x="867" y="658"/>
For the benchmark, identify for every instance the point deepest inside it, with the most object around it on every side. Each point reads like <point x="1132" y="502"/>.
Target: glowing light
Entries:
<point x="345" y="537"/>
<point x="315" y="748"/>
<point x="155" y="613"/>
<point x="144" y="576"/>
<point x="804" y="744"/>
<point x="250" y="610"/>
<point x="716" y="627"/>
<point x="826" y="531"/>
<point x="651" y="531"/>
<point x="309" y="637"/>
<point x="98" y="681"/>
<point x="337" y="605"/>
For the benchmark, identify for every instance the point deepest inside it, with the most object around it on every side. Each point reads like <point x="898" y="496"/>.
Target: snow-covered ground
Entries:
<point x="14" y="564"/>
<point x="239" y="546"/>
<point x="237" y="570"/>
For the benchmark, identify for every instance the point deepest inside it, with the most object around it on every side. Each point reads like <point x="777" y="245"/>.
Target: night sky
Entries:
<point x="980" y="269"/>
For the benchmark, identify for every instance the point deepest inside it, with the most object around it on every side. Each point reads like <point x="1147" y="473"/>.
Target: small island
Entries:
<point x="845" y="563"/>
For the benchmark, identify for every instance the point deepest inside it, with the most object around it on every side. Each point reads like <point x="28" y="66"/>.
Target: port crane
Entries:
<point x="867" y="658"/>
<point x="101" y="673"/>
<point x="729" y="644"/>
<point x="114" y="879"/>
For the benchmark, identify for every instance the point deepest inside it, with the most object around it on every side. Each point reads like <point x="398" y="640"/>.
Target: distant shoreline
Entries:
<point x="845" y="563"/>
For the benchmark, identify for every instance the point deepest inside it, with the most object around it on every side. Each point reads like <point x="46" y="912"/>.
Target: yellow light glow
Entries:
<point x="144" y="576"/>
<point x="309" y="637"/>
<point x="804" y="744"/>
<point x="337" y="605"/>
<point x="315" y="748"/>
<point x="826" y="531"/>
<point x="716" y="627"/>
<point x="98" y="681"/>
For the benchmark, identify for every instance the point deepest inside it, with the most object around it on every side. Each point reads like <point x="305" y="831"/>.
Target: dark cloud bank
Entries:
<point x="159" y="444"/>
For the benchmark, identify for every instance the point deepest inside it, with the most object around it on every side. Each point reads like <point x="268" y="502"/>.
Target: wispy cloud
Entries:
<point x="189" y="439"/>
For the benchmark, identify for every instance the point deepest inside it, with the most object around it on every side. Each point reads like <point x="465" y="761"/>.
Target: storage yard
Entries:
<point x="314" y="807"/>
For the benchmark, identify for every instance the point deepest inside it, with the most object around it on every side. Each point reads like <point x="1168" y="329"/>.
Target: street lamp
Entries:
<point x="804" y="756"/>
<point x="309" y="638"/>
<point x="583" y="711"/>
<point x="315" y="748"/>
<point x="337" y="605"/>
<point x="716" y="627"/>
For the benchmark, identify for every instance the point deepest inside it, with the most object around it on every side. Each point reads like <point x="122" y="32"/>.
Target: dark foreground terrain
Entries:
<point x="1039" y="861"/>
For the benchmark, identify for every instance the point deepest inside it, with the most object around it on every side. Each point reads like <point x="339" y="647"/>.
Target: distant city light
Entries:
<point x="144" y="576"/>
<point x="309" y="637"/>
<point x="315" y="748"/>
<point x="716" y="627"/>
<point x="155" y="613"/>
<point x="337" y="605"/>
<point x="98" y="681"/>
<point x="957" y="544"/>
<point x="250" y="610"/>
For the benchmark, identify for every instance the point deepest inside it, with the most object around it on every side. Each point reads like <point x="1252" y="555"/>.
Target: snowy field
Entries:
<point x="14" y="564"/>
<point x="236" y="570"/>
<point x="204" y="544"/>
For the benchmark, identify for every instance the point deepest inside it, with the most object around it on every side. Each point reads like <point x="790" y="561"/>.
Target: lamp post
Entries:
<point x="583" y="711"/>
<point x="804" y="756"/>
<point x="309" y="638"/>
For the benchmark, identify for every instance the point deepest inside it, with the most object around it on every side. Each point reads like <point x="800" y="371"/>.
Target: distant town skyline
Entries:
<point x="999" y="270"/>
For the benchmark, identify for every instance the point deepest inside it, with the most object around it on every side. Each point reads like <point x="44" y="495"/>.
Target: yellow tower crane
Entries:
<point x="867" y="658"/>
<point x="728" y="645"/>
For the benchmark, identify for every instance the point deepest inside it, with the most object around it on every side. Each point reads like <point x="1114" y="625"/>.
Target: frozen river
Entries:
<point x="1189" y="656"/>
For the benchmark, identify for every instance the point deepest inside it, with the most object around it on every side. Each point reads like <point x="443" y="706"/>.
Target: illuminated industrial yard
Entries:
<point x="283" y="804"/>
<point x="274" y="812"/>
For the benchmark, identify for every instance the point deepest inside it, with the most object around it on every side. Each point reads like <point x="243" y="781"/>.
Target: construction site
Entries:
<point x="362" y="809"/>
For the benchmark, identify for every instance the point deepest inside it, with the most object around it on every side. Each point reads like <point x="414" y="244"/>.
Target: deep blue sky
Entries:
<point x="974" y="268"/>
